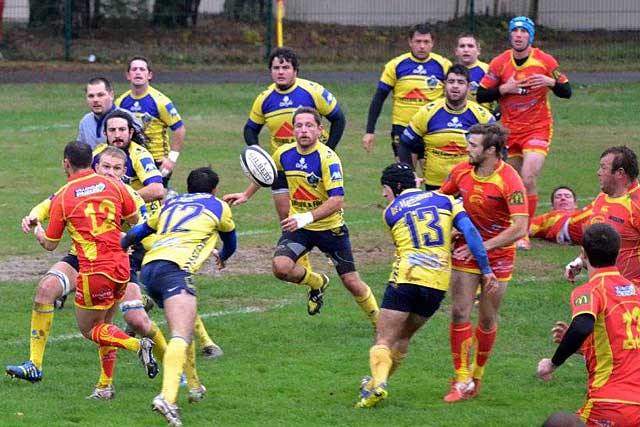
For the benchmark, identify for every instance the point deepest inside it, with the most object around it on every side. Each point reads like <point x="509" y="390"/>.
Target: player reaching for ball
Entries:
<point x="313" y="174"/>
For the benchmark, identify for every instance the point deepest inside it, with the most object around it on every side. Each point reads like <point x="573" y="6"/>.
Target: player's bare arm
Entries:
<point x="297" y="221"/>
<point x="151" y="192"/>
<point x="367" y="142"/>
<point x="235" y="199"/>
<point x="177" y="143"/>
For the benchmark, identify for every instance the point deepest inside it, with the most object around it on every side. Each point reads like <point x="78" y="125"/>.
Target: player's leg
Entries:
<point x="337" y="246"/>
<point x="532" y="163"/>
<point x="210" y="349"/>
<point x="463" y="289"/>
<point x="58" y="281"/>
<point x="133" y="312"/>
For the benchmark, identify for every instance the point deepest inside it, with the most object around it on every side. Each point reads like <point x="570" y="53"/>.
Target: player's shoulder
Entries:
<point x="88" y="118"/>
<point x="542" y="55"/>
<point x="309" y="85"/>
<point x="431" y="108"/>
<point x="137" y="151"/>
<point x="479" y="110"/>
<point x="442" y="60"/>
<point x="156" y="94"/>
<point x="502" y="58"/>
<point x="326" y="153"/>
<point x="122" y="97"/>
<point x="460" y="169"/>
<point x="393" y="62"/>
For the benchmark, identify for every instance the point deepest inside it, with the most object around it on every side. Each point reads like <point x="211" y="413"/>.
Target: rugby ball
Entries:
<point x="258" y="165"/>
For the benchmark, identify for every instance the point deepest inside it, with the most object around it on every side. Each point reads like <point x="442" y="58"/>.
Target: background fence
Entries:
<point x="585" y="32"/>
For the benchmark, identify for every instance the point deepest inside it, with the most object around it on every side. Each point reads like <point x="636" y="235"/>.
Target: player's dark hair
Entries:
<point x="460" y="70"/>
<point x="562" y="187"/>
<point x="563" y="419"/>
<point x="423" y="28"/>
<point x="112" y="151"/>
<point x="202" y="180"/>
<point x="468" y="35"/>
<point x="139" y="136"/>
<point x="624" y="159"/>
<point x="79" y="154"/>
<point x="601" y="243"/>
<point x="399" y="177"/>
<point x="493" y="135"/>
<point x="139" y="58"/>
<point x="284" y="54"/>
<point x="98" y="80"/>
<point x="307" y="110"/>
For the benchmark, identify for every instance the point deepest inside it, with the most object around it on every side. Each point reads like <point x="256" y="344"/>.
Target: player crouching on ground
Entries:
<point x="420" y="224"/>
<point x="188" y="228"/>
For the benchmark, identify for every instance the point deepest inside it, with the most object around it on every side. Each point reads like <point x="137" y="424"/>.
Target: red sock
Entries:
<point x="460" y="338"/>
<point x="107" y="363"/>
<point x="105" y="334"/>
<point x="485" y="340"/>
<point x="532" y="201"/>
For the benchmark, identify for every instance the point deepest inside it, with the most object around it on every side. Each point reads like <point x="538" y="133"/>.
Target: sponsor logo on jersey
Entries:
<point x="286" y="102"/>
<point x="336" y="173"/>
<point x="455" y="123"/>
<point x="284" y="131"/>
<point x="419" y="70"/>
<point x="313" y="179"/>
<point x="92" y="189"/>
<point x="582" y="300"/>
<point x="149" y="165"/>
<point x="172" y="110"/>
<point x="415" y="95"/>
<point x="516" y="198"/>
<point x="432" y="81"/>
<point x="303" y="194"/>
<point x="302" y="164"/>
<point x="616" y="219"/>
<point x="135" y="107"/>
<point x="473" y="86"/>
<point x="625" y="291"/>
<point x="328" y="96"/>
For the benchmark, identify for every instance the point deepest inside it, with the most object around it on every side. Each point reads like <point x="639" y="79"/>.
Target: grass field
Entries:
<point x="282" y="367"/>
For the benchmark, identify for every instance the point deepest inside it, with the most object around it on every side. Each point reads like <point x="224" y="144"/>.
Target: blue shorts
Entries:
<point x="334" y="243"/>
<point x="411" y="298"/>
<point x="135" y="262"/>
<point x="72" y="260"/>
<point x="164" y="279"/>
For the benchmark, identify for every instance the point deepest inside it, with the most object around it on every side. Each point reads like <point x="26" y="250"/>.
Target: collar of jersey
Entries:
<point x="420" y="60"/>
<point x="290" y="89"/>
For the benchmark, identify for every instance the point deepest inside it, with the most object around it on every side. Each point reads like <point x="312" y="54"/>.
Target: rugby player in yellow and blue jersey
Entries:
<point x="467" y="52"/>
<point x="439" y="129"/>
<point x="275" y="107"/>
<point x="157" y="113"/>
<point x="187" y="231"/>
<point x="415" y="78"/>
<point x="314" y="176"/>
<point x="420" y="224"/>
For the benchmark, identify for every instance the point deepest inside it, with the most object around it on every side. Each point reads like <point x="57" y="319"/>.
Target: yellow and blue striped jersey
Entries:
<point x="443" y="132"/>
<point x="275" y="108"/>
<point x="420" y="223"/>
<point x="141" y="169"/>
<point x="187" y="229"/>
<point x="312" y="177"/>
<point x="158" y="115"/>
<point x="414" y="83"/>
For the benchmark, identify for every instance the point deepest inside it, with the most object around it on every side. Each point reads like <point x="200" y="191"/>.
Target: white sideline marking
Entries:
<point x="243" y="310"/>
<point x="41" y="127"/>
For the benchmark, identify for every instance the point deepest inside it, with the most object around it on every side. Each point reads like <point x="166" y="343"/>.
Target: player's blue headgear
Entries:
<point x="523" y="22"/>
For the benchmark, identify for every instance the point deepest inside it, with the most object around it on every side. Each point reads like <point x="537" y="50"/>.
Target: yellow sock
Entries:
<point x="160" y="342"/>
<point x="173" y="366"/>
<point x="305" y="262"/>
<point x="380" y="361"/>
<point x="107" y="355"/>
<point x="190" y="367"/>
<point x="369" y="305"/>
<point x="201" y="333"/>
<point x="397" y="359"/>
<point x="462" y="373"/>
<point x="311" y="279"/>
<point x="41" y="321"/>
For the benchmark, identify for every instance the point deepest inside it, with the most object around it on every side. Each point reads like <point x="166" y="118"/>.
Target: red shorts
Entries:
<point x="534" y="140"/>
<point x="609" y="414"/>
<point x="501" y="261"/>
<point x="98" y="292"/>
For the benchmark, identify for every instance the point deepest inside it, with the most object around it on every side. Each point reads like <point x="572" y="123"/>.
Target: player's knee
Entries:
<point x="459" y="314"/>
<point x="48" y="290"/>
<point x="486" y="322"/>
<point x="282" y="267"/>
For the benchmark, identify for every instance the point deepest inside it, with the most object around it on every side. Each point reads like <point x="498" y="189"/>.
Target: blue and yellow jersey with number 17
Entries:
<point x="312" y="177"/>
<point x="420" y="223"/>
<point x="187" y="230"/>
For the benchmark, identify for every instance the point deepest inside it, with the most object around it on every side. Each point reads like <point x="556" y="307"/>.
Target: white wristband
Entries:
<point x="303" y="219"/>
<point x="173" y="156"/>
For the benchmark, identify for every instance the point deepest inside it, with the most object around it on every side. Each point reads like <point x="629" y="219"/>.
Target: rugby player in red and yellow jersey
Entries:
<point x="520" y="79"/>
<point x="563" y="224"/>
<point x="91" y="207"/>
<point x="604" y="328"/>
<point x="618" y="205"/>
<point x="494" y="197"/>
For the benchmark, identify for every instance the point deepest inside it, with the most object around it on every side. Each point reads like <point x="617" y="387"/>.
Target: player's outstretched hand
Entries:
<point x="490" y="283"/>
<point x="558" y="331"/>
<point x="28" y="222"/>
<point x="367" y="142"/>
<point x="38" y="231"/>
<point x="220" y="264"/>
<point x="545" y="369"/>
<point x="235" y="199"/>
<point x="573" y="269"/>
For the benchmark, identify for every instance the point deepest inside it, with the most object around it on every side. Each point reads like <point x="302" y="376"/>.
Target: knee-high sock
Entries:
<point x="397" y="359"/>
<point x="190" y="367"/>
<point x="107" y="356"/>
<point x="202" y="334"/>
<point x="460" y="338"/>
<point x="160" y="342"/>
<point x="484" y="343"/>
<point x="380" y="362"/>
<point x="173" y="366"/>
<point x="105" y="334"/>
<point x="532" y="201"/>
<point x="41" y="321"/>
<point x="311" y="279"/>
<point x="369" y="305"/>
<point x="305" y="262"/>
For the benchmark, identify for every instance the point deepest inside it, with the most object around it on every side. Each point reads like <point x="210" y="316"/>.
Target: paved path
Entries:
<point x="198" y="77"/>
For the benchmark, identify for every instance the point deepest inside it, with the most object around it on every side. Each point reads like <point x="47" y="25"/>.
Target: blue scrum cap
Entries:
<point x="523" y="22"/>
